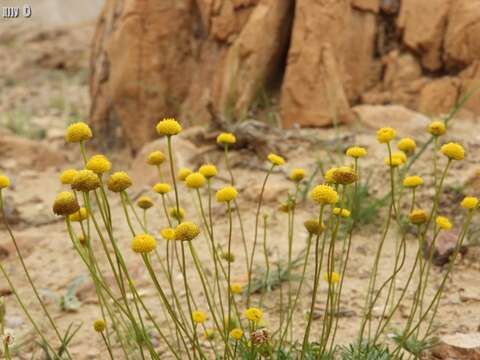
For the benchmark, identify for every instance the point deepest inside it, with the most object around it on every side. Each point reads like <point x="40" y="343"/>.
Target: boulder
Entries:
<point x="470" y="85"/>
<point x="457" y="346"/>
<point x="367" y="5"/>
<point x="439" y="96"/>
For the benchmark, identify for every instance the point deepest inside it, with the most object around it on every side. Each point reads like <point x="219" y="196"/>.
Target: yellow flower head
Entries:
<point x="226" y="139"/>
<point x="168" y="233"/>
<point x="418" y="217"/>
<point x="470" y="202"/>
<point x="236" y="288"/>
<point x="65" y="203"/>
<point x="394" y="161"/>
<point x="99" y="325"/>
<point x="226" y="194"/>
<point x="356" y="152"/>
<point x="85" y="180"/>
<point x="345" y="213"/>
<point x="344" y="175"/>
<point x="4" y="182"/>
<point x="195" y="180"/>
<point x="412" y="181"/>
<point x="178" y="214"/>
<point x="407" y="145"/>
<point x="209" y="334"/>
<point x="80" y="215"/>
<point x="236" y="334"/>
<point x="78" y="132"/>
<point x="168" y="127"/>
<point x="385" y="135"/>
<point x="144" y="202"/>
<point x="443" y="223"/>
<point x="99" y="164"/>
<point x="183" y="173"/>
<point x="162" y="188"/>
<point x="66" y="177"/>
<point x="143" y="243"/>
<point x="453" y="151"/>
<point x="324" y="194"/>
<point x="332" y="278"/>
<point x="199" y="317"/>
<point x="401" y="155"/>
<point x="228" y="256"/>
<point x="119" y="181"/>
<point x="253" y="314"/>
<point x="155" y="158"/>
<point x="81" y="239"/>
<point x="314" y="227"/>
<point x="186" y="231"/>
<point x="276" y="160"/>
<point x="208" y="170"/>
<point x="437" y="128"/>
<point x="298" y="175"/>
<point x="328" y="177"/>
<point x="286" y="206"/>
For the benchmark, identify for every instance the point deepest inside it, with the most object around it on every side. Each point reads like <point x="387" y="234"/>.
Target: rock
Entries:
<point x="367" y="5"/>
<point x="457" y="346"/>
<point x="445" y="245"/>
<point x="439" y="96"/>
<point x="470" y="78"/>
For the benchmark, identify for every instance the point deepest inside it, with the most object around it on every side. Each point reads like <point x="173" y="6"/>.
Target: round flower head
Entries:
<point x="168" y="233"/>
<point x="99" y="164"/>
<point x="356" y="152"/>
<point x="183" y="173"/>
<point x="162" y="188"/>
<point x="78" y="216"/>
<point x="85" y="180"/>
<point x="394" y="161"/>
<point x="253" y="314"/>
<point x="226" y="139"/>
<point x="119" y="181"/>
<point x="286" y="206"/>
<point x="209" y="334"/>
<point x="276" y="160"/>
<point x="345" y="213"/>
<point x="78" y="132"/>
<point x="199" y="317"/>
<point x="144" y="202"/>
<point x="155" y="158"/>
<point x="314" y="227"/>
<point x="385" y="135"/>
<point x="81" y="239"/>
<point x="407" y="145"/>
<point x="4" y="182"/>
<point x="208" y="170"/>
<point x="298" y="175"/>
<point x="259" y="336"/>
<point x="143" y="243"/>
<point x="443" y="223"/>
<point x="168" y="127"/>
<point x="186" y="231"/>
<point x="99" y="325"/>
<point x="401" y="155"/>
<point x="228" y="256"/>
<point x="65" y="204"/>
<point x="236" y="334"/>
<point x="344" y="175"/>
<point x="418" y="217"/>
<point x="178" y="214"/>
<point x="226" y="194"/>
<point x="453" y="151"/>
<point x="195" y="180"/>
<point x="437" y="128"/>
<point x="332" y="278"/>
<point x="470" y="202"/>
<point x="236" y="288"/>
<point x="66" y="177"/>
<point x="328" y="177"/>
<point x="412" y="181"/>
<point x="324" y="194"/>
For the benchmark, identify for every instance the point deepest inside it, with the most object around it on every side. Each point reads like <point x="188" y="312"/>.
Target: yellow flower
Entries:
<point x="81" y="239"/>
<point x="195" y="180"/>
<point x="183" y="173"/>
<point x="328" y="177"/>
<point x="208" y="170"/>
<point x="144" y="202"/>
<point x="65" y="203"/>
<point x="4" y="182"/>
<point x="236" y="288"/>
<point x="298" y="175"/>
<point x="66" y="177"/>
<point x="437" y="128"/>
<point x="155" y="158"/>
<point x="407" y="145"/>
<point x="469" y="202"/>
<point x="119" y="181"/>
<point x="356" y="152"/>
<point x="345" y="213"/>
<point x="276" y="160"/>
<point x="78" y="132"/>
<point x="168" y="127"/>
<point x="385" y="135"/>
<point x="332" y="278"/>
<point x="253" y="314"/>
<point x="344" y="175"/>
<point x="226" y="139"/>
<point x="453" y="151"/>
<point x="99" y="325"/>
<point x="179" y="215"/>
<point x="186" y="231"/>
<point x="412" y="181"/>
<point x="226" y="194"/>
<point x="418" y="217"/>
<point x="324" y="194"/>
<point x="162" y="188"/>
<point x="99" y="164"/>
<point x="236" y="334"/>
<point x="168" y="233"/>
<point x="80" y="215"/>
<point x="401" y="155"/>
<point x="143" y="243"/>
<point x="286" y="206"/>
<point x="394" y="161"/>
<point x="314" y="227"/>
<point x="443" y="223"/>
<point x="228" y="256"/>
<point x="85" y="180"/>
<point x="199" y="317"/>
<point x="209" y="334"/>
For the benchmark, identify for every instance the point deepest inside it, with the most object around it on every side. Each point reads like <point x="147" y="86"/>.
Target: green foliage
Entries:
<point x="19" y="122"/>
<point x="66" y="339"/>
<point x="365" y="204"/>
<point x="366" y="351"/>
<point x="412" y="344"/>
